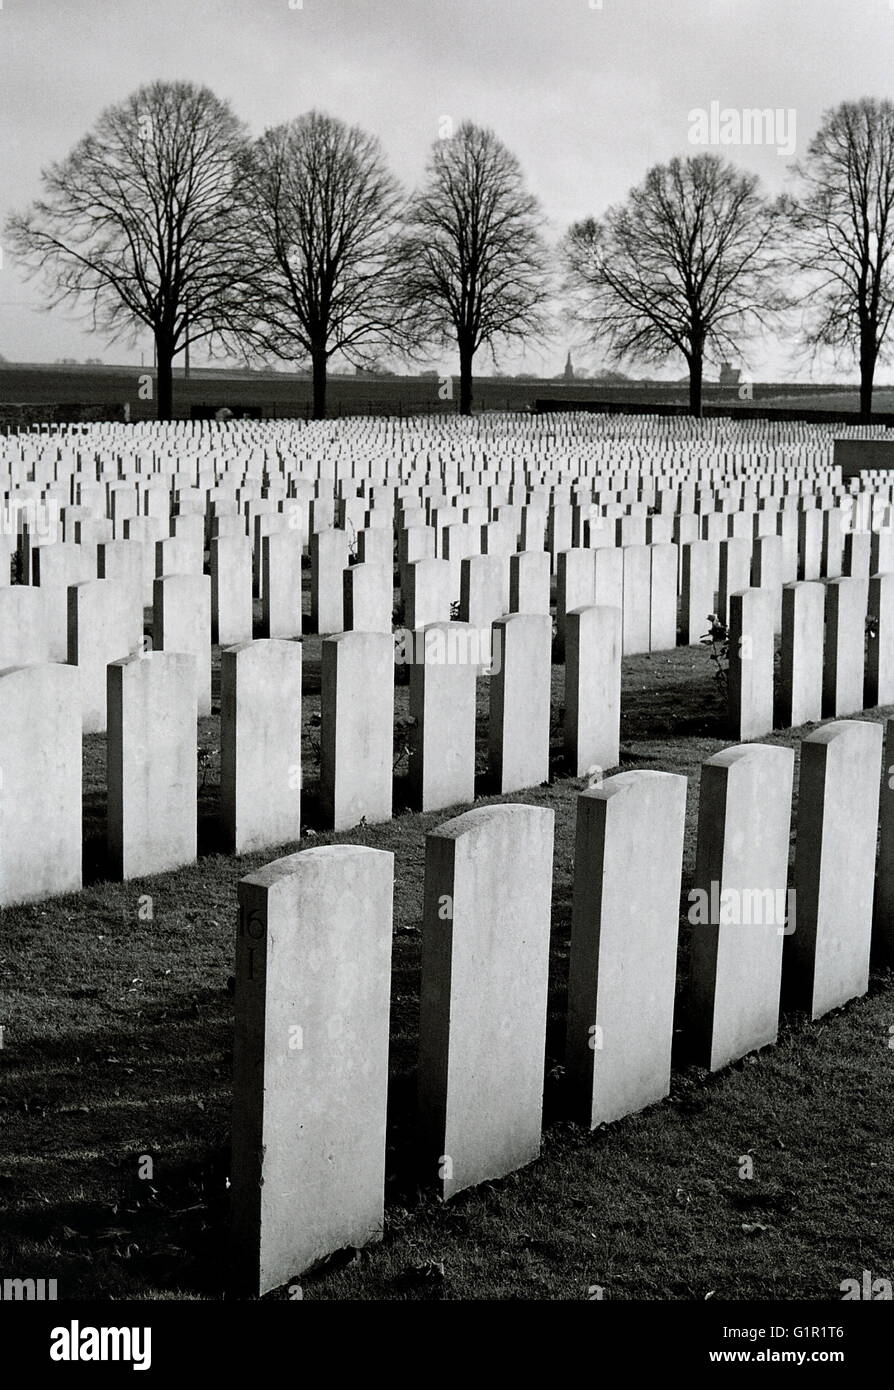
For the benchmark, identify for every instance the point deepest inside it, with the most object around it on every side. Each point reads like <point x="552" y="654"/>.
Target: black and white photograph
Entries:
<point x="446" y="679"/>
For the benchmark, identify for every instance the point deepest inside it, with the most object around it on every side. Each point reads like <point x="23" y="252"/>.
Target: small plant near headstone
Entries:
<point x="402" y="725"/>
<point x="316" y="743"/>
<point x="454" y="611"/>
<point x="717" y="637"/>
<point x="353" y="557"/>
<point x="871" y="630"/>
<point x="208" y="757"/>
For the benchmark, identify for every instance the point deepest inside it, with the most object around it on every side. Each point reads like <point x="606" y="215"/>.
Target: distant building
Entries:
<point x="372" y="371"/>
<point x="729" y="375"/>
<point x="568" y="374"/>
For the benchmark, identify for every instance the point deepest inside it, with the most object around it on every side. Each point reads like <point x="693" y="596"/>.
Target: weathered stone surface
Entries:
<point x="442" y="706"/>
<point x="260" y="744"/>
<point x="151" y="767"/>
<point x="368" y="597"/>
<point x="663" y="597"/>
<point x="104" y="624"/>
<point x="40" y="783"/>
<point x="281" y="584"/>
<point x="357" y="728"/>
<point x="593" y="689"/>
<point x="700" y="567"/>
<point x="33" y="624"/>
<point x="845" y="645"/>
<point x="310" y="1060"/>
<point x="485" y="961"/>
<point x="883" y="911"/>
<point x="734" y="573"/>
<point x="574" y="589"/>
<point x="622" y="969"/>
<point x="231" y="602"/>
<point x="637" y="600"/>
<point x="801" y="661"/>
<point x="484" y="588"/>
<point x="738" y="903"/>
<point x="520" y="701"/>
<point x="529" y="579"/>
<point x="880" y="646"/>
<point x="827" y="956"/>
<point x="181" y="622"/>
<point x="427" y="593"/>
<point x="751" y="657"/>
<point x="328" y="560"/>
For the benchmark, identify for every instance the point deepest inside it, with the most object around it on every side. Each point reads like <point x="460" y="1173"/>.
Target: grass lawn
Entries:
<point x="117" y="1017"/>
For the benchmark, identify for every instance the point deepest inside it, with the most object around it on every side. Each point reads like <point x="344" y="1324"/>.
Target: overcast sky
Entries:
<point x="587" y="96"/>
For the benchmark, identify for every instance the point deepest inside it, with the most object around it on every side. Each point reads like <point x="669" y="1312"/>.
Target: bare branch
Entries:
<point x="683" y="266"/>
<point x="136" y="222"/>
<point x="842" y="234"/>
<point x="473" y="266"/>
<point x="318" y="207"/>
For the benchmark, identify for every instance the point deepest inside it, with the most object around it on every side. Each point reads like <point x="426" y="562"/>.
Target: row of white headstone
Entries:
<point x="93" y="621"/>
<point x="313" y="976"/>
<point x="151" y="697"/>
<point x="149" y="702"/>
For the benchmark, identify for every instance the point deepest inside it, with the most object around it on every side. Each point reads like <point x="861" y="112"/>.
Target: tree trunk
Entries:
<point x="868" y="356"/>
<point x="164" y="382"/>
<point x="466" y="355"/>
<point x="319" y="359"/>
<point x="696" y="367"/>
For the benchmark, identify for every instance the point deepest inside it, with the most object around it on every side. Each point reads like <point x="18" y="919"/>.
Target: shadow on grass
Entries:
<point x="119" y="1046"/>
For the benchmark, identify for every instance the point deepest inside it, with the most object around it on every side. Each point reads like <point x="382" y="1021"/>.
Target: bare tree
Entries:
<point x="320" y="206"/>
<point x="684" y="265"/>
<point x="137" y="220"/>
<point x="473" y="259"/>
<point x="842" y="234"/>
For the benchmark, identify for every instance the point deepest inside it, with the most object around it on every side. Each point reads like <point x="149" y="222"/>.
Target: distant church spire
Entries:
<point x="569" y="368"/>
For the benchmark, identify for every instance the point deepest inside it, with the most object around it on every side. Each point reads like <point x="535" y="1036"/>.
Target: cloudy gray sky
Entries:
<point x="587" y="94"/>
